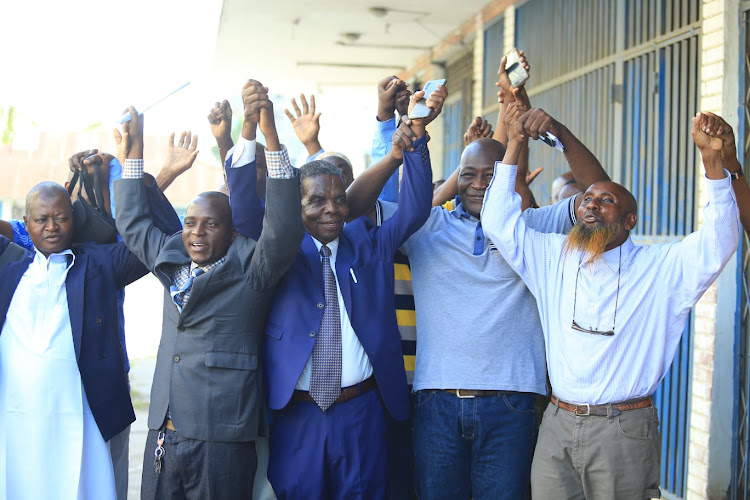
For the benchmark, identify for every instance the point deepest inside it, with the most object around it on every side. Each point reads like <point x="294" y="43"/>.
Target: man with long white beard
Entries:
<point x="612" y="313"/>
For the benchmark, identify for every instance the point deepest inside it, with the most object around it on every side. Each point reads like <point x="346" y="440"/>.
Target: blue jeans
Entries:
<point x="473" y="447"/>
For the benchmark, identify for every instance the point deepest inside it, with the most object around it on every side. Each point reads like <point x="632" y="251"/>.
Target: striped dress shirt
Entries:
<point x="658" y="285"/>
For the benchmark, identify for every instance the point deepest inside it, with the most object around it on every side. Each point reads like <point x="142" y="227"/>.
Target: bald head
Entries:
<point x="625" y="198"/>
<point x="484" y="149"/>
<point x="476" y="171"/>
<point x="46" y="191"/>
<point x="218" y="200"/>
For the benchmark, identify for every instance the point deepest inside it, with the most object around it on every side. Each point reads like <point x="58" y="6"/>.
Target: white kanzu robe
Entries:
<point x="50" y="445"/>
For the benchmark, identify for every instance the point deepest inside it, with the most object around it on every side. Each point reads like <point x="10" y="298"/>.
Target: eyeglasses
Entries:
<point x="575" y="326"/>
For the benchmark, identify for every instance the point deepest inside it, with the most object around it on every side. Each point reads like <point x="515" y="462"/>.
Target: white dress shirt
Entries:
<point x="50" y="445"/>
<point x="355" y="365"/>
<point x="658" y="285"/>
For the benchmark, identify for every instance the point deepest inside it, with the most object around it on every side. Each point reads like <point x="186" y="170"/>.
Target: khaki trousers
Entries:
<point x="597" y="458"/>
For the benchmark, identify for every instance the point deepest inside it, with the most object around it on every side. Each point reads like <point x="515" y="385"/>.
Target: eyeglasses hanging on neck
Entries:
<point x="596" y="331"/>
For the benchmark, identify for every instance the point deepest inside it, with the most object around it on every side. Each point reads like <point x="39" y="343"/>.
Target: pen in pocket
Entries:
<point x="351" y="271"/>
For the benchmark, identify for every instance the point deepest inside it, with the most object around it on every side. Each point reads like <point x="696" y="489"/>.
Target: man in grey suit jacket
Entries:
<point x="206" y="397"/>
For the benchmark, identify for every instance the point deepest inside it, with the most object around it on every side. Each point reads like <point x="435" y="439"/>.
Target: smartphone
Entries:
<point x="515" y="70"/>
<point x="420" y="108"/>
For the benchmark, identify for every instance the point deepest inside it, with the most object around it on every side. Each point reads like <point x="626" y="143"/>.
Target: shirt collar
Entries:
<point x="333" y="245"/>
<point x="208" y="267"/>
<point x="459" y="211"/>
<point x="612" y="257"/>
<point x="46" y="260"/>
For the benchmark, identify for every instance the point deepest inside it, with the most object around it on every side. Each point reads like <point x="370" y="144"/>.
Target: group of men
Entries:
<point x="389" y="347"/>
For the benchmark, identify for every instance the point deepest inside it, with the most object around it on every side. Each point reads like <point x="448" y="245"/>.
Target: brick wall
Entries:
<point x="711" y="99"/>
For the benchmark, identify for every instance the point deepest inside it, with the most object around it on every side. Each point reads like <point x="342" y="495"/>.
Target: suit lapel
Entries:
<point x="11" y="276"/>
<point x="74" y="288"/>
<point x="201" y="283"/>
<point x="344" y="258"/>
<point x="312" y="258"/>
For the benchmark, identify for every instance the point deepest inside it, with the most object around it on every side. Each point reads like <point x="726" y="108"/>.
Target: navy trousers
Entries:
<point x="339" y="453"/>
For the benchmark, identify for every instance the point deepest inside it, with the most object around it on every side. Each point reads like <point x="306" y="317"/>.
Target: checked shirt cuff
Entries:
<point x="278" y="164"/>
<point x="133" y="169"/>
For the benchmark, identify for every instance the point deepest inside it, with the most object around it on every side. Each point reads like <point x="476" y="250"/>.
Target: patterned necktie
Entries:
<point x="325" y="378"/>
<point x="181" y="294"/>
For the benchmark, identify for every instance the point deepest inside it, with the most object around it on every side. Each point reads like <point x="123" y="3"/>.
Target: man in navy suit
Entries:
<point x="62" y="369"/>
<point x="332" y="353"/>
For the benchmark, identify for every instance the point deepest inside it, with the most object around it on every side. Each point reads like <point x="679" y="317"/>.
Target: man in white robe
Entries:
<point x="59" y="353"/>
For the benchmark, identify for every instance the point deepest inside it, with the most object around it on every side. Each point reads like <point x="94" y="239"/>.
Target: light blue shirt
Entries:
<point x="382" y="143"/>
<point x="477" y="323"/>
<point x="643" y="293"/>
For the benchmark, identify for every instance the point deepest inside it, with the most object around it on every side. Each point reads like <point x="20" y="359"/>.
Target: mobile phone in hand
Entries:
<point x="515" y="70"/>
<point x="420" y="108"/>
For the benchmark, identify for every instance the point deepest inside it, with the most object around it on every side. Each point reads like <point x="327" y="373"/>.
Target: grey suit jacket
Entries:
<point x="207" y="370"/>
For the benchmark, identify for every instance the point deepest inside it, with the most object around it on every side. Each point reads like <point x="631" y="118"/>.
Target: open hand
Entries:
<point x="306" y="122"/>
<point x="180" y="156"/>
<point x="479" y="128"/>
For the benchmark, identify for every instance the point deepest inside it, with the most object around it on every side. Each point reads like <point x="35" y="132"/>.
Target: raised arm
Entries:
<point x="393" y="95"/>
<point x="220" y="119"/>
<point x="416" y="188"/>
<point x="585" y="167"/>
<point x="508" y="94"/>
<point x="241" y="166"/>
<point x="714" y="126"/>
<point x="306" y="123"/>
<point x="363" y="192"/>
<point x="524" y="249"/>
<point x="702" y="255"/>
<point x="282" y="231"/>
<point x="134" y="220"/>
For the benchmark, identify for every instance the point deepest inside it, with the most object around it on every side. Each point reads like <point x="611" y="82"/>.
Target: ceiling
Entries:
<point x="293" y="43"/>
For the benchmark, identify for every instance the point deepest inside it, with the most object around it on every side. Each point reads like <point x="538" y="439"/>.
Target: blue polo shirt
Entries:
<point x="477" y="324"/>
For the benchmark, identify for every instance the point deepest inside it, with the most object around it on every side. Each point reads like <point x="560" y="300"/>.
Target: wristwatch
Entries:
<point x="736" y="175"/>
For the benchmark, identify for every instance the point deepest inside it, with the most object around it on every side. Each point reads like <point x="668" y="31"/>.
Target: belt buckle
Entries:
<point x="458" y="395"/>
<point x="588" y="410"/>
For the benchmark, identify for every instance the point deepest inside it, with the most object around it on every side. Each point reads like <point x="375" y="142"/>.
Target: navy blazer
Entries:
<point x="91" y="286"/>
<point x="364" y="268"/>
